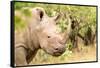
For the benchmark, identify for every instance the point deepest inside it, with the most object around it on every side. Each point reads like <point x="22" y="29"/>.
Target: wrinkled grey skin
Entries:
<point x="41" y="32"/>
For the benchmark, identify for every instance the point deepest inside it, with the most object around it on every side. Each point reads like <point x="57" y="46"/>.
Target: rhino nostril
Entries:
<point x="56" y="48"/>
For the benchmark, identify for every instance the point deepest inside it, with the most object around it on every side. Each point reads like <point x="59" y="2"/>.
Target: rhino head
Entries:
<point x="49" y="39"/>
<point x="40" y="33"/>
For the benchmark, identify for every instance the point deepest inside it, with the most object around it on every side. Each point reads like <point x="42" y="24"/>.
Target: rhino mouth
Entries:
<point x="55" y="53"/>
<point x="59" y="53"/>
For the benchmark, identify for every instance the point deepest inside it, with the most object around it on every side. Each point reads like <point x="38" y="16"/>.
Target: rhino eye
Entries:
<point x="48" y="36"/>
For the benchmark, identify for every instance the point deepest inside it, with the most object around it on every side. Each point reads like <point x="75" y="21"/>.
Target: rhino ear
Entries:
<point x="56" y="18"/>
<point x="41" y="12"/>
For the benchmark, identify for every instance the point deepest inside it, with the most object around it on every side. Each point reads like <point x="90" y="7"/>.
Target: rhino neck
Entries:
<point x="31" y="38"/>
<point x="32" y="42"/>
